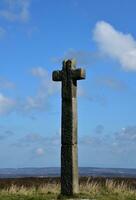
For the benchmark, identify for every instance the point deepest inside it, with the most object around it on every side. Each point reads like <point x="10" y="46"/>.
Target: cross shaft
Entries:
<point x="69" y="156"/>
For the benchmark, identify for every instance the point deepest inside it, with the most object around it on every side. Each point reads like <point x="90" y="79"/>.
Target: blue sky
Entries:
<point x="35" y="37"/>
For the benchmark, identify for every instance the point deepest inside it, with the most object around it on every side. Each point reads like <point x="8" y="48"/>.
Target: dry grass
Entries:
<point x="91" y="189"/>
<point x="22" y="190"/>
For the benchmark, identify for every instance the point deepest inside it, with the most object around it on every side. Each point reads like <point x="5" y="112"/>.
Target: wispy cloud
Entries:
<point x="39" y="72"/>
<point x="47" y="88"/>
<point x="39" y="151"/>
<point x="96" y="98"/>
<point x="2" y="32"/>
<point x="117" y="142"/>
<point x="97" y="139"/>
<point x="7" y="104"/>
<point x="36" y="139"/>
<point x="115" y="44"/>
<point x="40" y="102"/>
<point x="111" y="83"/>
<point x="16" y="10"/>
<point x="99" y="129"/>
<point x="127" y="135"/>
<point x="5" y="133"/>
<point x="5" y="84"/>
<point x="84" y="58"/>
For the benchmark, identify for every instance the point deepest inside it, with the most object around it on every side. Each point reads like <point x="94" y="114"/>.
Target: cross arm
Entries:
<point x="57" y="75"/>
<point x="78" y="74"/>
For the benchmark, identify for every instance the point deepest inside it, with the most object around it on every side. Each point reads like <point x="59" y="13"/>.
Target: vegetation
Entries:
<point x="99" y="189"/>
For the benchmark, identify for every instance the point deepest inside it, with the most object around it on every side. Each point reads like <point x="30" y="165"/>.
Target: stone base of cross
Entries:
<point x="69" y="156"/>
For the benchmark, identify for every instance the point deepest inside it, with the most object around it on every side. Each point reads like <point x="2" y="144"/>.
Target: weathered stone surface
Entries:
<point x="69" y="169"/>
<point x="69" y="156"/>
<point x="69" y="122"/>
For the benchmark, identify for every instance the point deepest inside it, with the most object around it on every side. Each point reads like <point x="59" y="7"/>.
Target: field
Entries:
<point x="49" y="188"/>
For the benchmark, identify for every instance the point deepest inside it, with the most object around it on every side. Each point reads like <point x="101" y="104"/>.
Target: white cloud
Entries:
<point x="6" y="104"/>
<point x="16" y="10"/>
<point x="39" y="151"/>
<point x="115" y="44"/>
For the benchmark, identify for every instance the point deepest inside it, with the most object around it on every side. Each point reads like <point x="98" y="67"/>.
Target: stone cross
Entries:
<point x="69" y="156"/>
